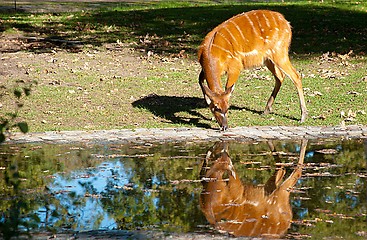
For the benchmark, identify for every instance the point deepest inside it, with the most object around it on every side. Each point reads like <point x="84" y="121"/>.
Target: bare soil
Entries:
<point x="54" y="6"/>
<point x="16" y="59"/>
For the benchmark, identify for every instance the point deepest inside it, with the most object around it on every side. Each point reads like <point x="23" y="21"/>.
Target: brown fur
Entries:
<point x="247" y="40"/>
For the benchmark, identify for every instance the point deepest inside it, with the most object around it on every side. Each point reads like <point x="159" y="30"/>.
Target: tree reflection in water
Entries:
<point x="58" y="188"/>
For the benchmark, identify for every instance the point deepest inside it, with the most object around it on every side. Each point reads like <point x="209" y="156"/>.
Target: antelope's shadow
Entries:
<point x="261" y="112"/>
<point x="169" y="107"/>
<point x="182" y="110"/>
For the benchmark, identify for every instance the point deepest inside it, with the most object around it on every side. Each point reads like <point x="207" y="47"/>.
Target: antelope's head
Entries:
<point x="219" y="105"/>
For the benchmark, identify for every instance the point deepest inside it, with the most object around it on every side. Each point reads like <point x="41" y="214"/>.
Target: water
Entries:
<point x="251" y="188"/>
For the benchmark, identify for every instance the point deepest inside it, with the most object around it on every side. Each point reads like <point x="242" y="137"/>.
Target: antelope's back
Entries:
<point x="258" y="32"/>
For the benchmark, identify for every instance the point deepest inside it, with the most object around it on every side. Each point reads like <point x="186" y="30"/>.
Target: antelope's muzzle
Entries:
<point x="222" y="120"/>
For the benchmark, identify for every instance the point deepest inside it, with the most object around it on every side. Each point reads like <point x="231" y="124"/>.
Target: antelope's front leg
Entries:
<point x="201" y="83"/>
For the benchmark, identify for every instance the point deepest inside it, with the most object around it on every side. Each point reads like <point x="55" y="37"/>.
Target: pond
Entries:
<point x="290" y="189"/>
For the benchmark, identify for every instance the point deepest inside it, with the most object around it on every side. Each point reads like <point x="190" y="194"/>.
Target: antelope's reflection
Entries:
<point x="244" y="209"/>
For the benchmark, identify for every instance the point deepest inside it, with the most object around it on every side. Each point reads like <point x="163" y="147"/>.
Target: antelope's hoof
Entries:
<point x="224" y="128"/>
<point x="267" y="111"/>
<point x="303" y="117"/>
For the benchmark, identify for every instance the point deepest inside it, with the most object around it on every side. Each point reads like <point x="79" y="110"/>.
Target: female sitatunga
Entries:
<point x="247" y="40"/>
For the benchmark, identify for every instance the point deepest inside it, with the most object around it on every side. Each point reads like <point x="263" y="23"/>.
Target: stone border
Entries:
<point x="261" y="133"/>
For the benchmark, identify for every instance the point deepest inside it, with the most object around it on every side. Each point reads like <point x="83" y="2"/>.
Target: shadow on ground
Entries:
<point x="316" y="28"/>
<point x="183" y="110"/>
<point x="169" y="107"/>
<point x="261" y="112"/>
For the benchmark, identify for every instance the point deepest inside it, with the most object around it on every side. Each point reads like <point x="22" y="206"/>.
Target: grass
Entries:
<point x="102" y="87"/>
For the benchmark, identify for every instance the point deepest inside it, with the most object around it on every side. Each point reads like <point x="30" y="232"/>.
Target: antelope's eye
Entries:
<point x="216" y="109"/>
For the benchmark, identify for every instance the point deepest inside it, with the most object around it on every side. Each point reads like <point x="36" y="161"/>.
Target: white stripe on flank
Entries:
<point x="259" y="23"/>
<point x="251" y="53"/>
<point x="224" y="37"/>
<point x="233" y="37"/>
<point x="254" y="203"/>
<point x="275" y="21"/>
<point x="251" y="23"/>
<point x="275" y="36"/>
<point x="279" y="43"/>
<point x="223" y="49"/>
<point x="266" y="20"/>
<point x="239" y="30"/>
<point x="280" y="18"/>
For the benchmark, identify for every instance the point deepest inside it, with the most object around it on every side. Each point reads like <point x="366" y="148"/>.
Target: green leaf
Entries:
<point x="2" y="137"/>
<point x="23" y="126"/>
<point x="3" y="124"/>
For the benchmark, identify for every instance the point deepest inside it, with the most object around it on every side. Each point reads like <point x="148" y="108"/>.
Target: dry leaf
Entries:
<point x="322" y="117"/>
<point x="352" y="114"/>
<point x="327" y="151"/>
<point x="353" y="93"/>
<point x="315" y="93"/>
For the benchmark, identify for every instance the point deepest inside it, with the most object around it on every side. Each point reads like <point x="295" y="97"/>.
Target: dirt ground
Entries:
<point x="18" y="50"/>
<point x="15" y="61"/>
<point x="55" y="5"/>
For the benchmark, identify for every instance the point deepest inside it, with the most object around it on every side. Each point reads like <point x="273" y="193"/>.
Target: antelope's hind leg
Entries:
<point x="291" y="72"/>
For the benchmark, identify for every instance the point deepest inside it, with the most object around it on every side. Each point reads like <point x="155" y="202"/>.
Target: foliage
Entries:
<point x="8" y="119"/>
<point x="339" y="189"/>
<point x="26" y="172"/>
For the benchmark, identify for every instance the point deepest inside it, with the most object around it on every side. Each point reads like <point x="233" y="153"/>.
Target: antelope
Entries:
<point x="245" y="209"/>
<point x="247" y="40"/>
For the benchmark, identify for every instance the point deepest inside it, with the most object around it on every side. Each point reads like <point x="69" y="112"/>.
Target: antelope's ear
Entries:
<point x="229" y="90"/>
<point x="208" y="94"/>
<point x="207" y="99"/>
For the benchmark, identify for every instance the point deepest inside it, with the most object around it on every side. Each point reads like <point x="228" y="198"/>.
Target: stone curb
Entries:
<point x="261" y="133"/>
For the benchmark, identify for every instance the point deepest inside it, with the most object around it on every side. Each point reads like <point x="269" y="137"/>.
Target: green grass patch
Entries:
<point x="148" y="78"/>
<point x="169" y="26"/>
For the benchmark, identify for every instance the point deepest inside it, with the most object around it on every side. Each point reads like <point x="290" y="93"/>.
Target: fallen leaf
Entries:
<point x="315" y="93"/>
<point x="327" y="151"/>
<point x="351" y="114"/>
<point x="353" y="93"/>
<point x="322" y="117"/>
